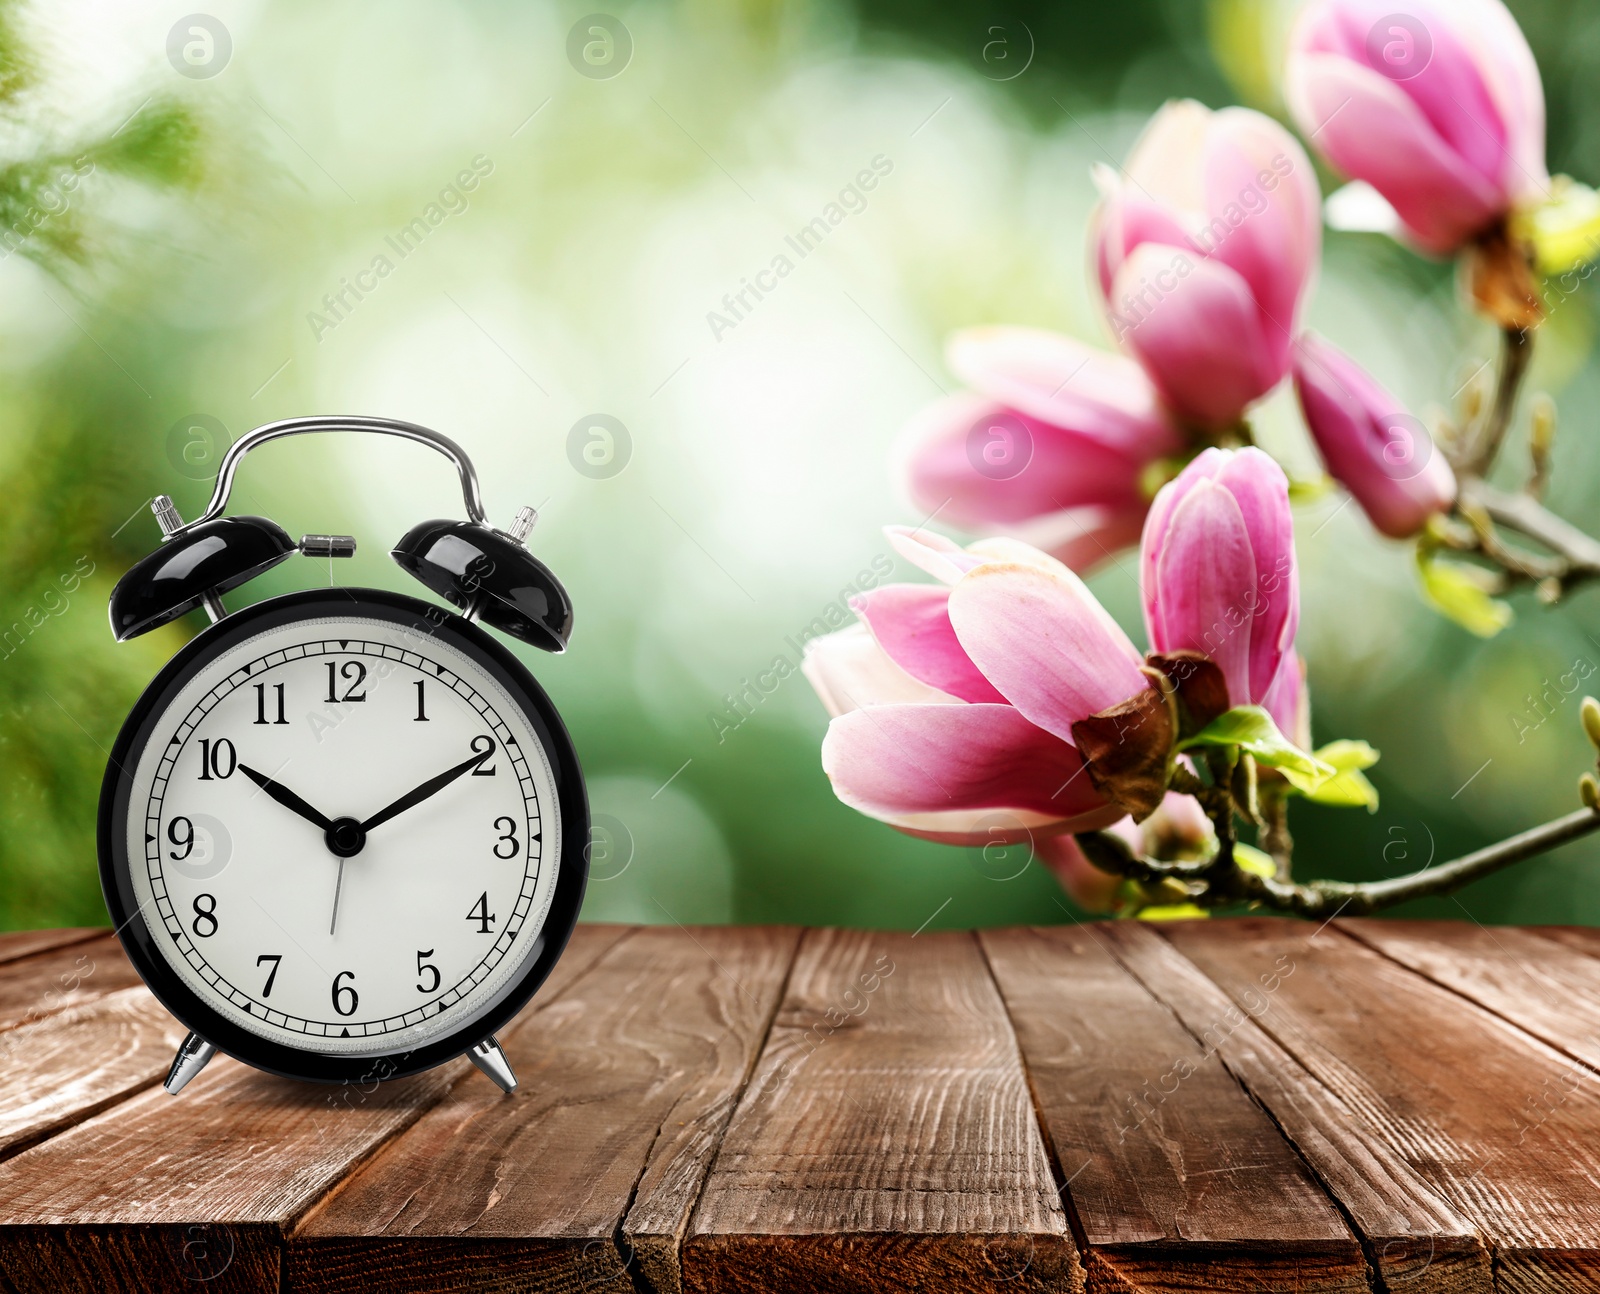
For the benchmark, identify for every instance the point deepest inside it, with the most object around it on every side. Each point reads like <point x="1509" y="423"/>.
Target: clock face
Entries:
<point x="343" y="833"/>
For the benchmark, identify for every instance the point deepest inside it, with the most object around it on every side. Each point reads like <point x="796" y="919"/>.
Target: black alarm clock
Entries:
<point x="343" y="834"/>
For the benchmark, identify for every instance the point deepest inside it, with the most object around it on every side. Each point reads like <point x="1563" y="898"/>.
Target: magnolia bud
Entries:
<point x="1589" y="711"/>
<point x="1589" y="791"/>
<point x="1541" y="426"/>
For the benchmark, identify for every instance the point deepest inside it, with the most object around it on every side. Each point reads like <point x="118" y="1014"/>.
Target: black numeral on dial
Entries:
<point x="425" y="967"/>
<point x="481" y="914"/>
<point x="274" y="958"/>
<point x="345" y="997"/>
<point x="261" y="704"/>
<point x="422" y="713"/>
<point x="205" y="913"/>
<point x="183" y="839"/>
<point x="483" y="745"/>
<point x="354" y="674"/>
<point x="218" y="759"/>
<point x="507" y="827"/>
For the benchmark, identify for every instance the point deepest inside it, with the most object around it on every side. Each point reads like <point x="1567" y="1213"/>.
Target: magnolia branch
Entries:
<point x="1483" y="511"/>
<point x="1207" y="885"/>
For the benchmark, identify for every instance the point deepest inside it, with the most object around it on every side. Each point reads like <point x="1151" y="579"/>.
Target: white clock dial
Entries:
<point x="439" y="903"/>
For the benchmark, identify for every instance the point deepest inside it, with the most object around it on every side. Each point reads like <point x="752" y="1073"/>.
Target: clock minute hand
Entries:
<point x="429" y="788"/>
<point x="284" y="796"/>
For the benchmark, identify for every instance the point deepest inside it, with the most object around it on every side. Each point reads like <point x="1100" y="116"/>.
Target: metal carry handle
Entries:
<point x="337" y="422"/>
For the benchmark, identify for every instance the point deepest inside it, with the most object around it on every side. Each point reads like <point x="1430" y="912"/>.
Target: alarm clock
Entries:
<point x="343" y="834"/>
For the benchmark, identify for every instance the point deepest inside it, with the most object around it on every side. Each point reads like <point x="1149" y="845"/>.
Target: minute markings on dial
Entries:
<point x="478" y="702"/>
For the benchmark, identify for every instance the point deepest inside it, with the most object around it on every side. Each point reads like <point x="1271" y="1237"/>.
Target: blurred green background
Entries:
<point x="185" y="277"/>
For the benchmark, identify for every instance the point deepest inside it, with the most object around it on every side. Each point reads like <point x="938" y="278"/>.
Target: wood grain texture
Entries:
<point x="112" y="1202"/>
<point x="39" y="985"/>
<point x="1499" y="1124"/>
<point x="1583" y="939"/>
<point x="1177" y="1178"/>
<point x="886" y="1140"/>
<point x="1417" y="1242"/>
<point x="25" y="943"/>
<point x="71" y="1065"/>
<point x="627" y="1084"/>
<point x="1546" y="987"/>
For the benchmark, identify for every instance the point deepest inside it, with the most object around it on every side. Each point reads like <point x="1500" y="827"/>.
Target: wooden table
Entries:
<point x="1236" y="1105"/>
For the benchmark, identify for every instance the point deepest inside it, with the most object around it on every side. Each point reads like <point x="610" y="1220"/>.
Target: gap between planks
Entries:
<point x="123" y="1222"/>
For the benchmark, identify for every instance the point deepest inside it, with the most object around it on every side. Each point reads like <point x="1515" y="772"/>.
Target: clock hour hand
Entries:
<point x="284" y="796"/>
<point x="429" y="788"/>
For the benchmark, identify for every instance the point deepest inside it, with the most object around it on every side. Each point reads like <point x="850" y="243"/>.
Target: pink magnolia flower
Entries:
<point x="953" y="706"/>
<point x="1218" y="573"/>
<point x="1371" y="445"/>
<point x="1052" y="444"/>
<point x="1204" y="249"/>
<point x="1439" y="108"/>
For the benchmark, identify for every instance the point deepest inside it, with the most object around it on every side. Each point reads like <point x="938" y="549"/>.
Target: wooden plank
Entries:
<point x="1417" y="1241"/>
<point x="1176" y="1177"/>
<point x="886" y="1140"/>
<point x="1543" y="985"/>
<point x="72" y="1065"/>
<point x="1499" y="1124"/>
<point x="25" y="943"/>
<point x="114" y="1202"/>
<point x="626" y="1087"/>
<point x="34" y="987"/>
<point x="1583" y="939"/>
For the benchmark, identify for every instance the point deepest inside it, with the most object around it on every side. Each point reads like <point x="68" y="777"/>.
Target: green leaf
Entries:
<point x="1348" y="787"/>
<point x="1251" y="729"/>
<point x="1254" y="860"/>
<point x="1171" y="912"/>
<point x="1308" y="489"/>
<point x="160" y="144"/>
<point x="1457" y="592"/>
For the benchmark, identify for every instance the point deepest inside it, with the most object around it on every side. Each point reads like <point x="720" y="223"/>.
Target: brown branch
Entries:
<point x="1275" y="837"/>
<point x="1325" y="899"/>
<point x="1482" y="510"/>
<point x="1483" y="443"/>
<point x="1216" y="885"/>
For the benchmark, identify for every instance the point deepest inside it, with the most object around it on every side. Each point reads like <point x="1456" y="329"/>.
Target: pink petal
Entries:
<point x="1084" y="883"/>
<point x="1204" y="575"/>
<point x="1512" y="76"/>
<point x="1288" y="701"/>
<point x="1370" y="443"/>
<point x="1125" y="220"/>
<point x="1204" y="466"/>
<point x="1064" y="383"/>
<point x="1047" y="644"/>
<point x="924" y="768"/>
<point x="1440" y="74"/>
<point x="849" y="670"/>
<point x="1037" y="468"/>
<point x="1083" y="538"/>
<point x="940" y="557"/>
<point x="1367" y="127"/>
<point x="912" y="623"/>
<point x="1195" y="327"/>
<point x="1163" y="162"/>
<point x="1261" y="490"/>
<point x="1271" y="236"/>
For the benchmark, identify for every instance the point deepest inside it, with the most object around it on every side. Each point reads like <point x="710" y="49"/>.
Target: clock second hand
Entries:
<point x="337" y="886"/>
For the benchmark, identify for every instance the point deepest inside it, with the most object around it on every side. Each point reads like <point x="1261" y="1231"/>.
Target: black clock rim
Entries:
<point x="115" y="871"/>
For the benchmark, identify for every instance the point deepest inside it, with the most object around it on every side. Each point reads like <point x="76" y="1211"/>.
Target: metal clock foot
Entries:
<point x="192" y="1057"/>
<point x="488" y="1057"/>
